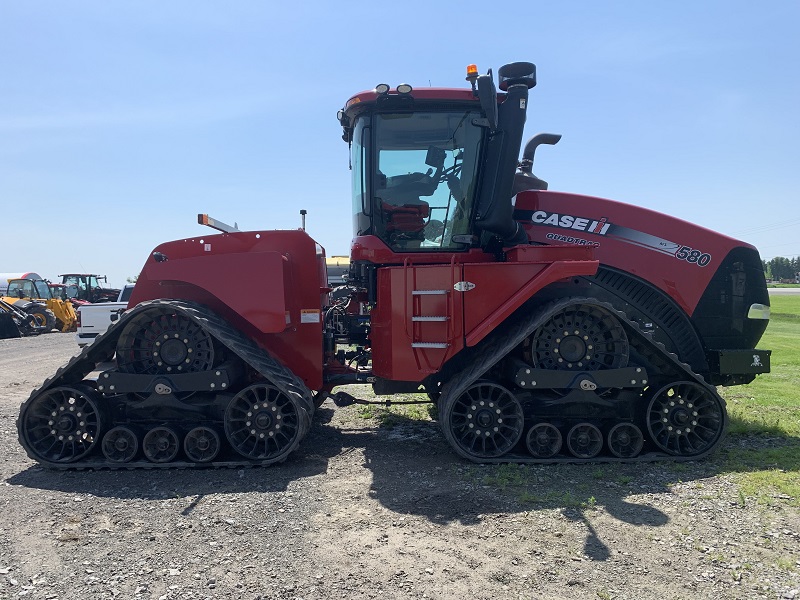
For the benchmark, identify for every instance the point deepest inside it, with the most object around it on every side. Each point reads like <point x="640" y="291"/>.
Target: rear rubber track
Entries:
<point x="102" y="351"/>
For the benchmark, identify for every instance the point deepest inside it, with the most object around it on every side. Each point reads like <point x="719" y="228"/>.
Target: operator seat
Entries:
<point x="406" y="222"/>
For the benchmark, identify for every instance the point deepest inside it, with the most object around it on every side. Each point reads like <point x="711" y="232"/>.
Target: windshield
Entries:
<point x="28" y="288"/>
<point x="423" y="183"/>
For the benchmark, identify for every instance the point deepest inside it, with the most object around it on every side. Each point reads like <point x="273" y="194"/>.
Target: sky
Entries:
<point x="121" y="121"/>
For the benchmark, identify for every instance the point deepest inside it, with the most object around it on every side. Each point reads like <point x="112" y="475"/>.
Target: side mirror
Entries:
<point x="487" y="94"/>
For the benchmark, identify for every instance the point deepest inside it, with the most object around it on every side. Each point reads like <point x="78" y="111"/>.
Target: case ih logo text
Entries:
<point x="543" y="217"/>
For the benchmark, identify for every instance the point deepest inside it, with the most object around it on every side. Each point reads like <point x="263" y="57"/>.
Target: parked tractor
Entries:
<point x="86" y="286"/>
<point x="545" y="326"/>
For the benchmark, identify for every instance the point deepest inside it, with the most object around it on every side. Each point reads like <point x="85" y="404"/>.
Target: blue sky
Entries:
<point x="120" y="121"/>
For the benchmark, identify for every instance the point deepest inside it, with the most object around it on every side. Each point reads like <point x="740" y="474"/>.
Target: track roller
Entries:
<point x="201" y="444"/>
<point x="625" y="440"/>
<point x="584" y="440"/>
<point x="543" y="440"/>
<point x="62" y="424"/>
<point x="161" y="445"/>
<point x="120" y="444"/>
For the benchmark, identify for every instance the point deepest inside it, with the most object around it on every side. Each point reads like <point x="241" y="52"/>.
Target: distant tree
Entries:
<point x="132" y="279"/>
<point x="781" y="267"/>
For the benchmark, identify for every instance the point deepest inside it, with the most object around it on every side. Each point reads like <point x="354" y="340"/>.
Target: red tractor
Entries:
<point x="546" y="326"/>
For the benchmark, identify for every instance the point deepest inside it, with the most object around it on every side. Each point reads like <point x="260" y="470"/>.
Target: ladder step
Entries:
<point x="429" y="345"/>
<point x="426" y="319"/>
<point x="428" y="292"/>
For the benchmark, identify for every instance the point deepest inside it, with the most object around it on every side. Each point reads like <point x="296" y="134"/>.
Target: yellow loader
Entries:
<point x="34" y="297"/>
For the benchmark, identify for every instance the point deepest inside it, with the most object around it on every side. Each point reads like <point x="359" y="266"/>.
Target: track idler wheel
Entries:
<point x="62" y="424"/>
<point x="543" y="440"/>
<point x="120" y="445"/>
<point x="264" y="424"/>
<point x="686" y="418"/>
<point x="485" y="421"/>
<point x="201" y="444"/>
<point x="161" y="340"/>
<point x="625" y="440"/>
<point x="580" y="338"/>
<point x="585" y="440"/>
<point x="161" y="445"/>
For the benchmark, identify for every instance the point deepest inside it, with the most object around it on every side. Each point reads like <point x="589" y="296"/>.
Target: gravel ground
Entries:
<point x="364" y="511"/>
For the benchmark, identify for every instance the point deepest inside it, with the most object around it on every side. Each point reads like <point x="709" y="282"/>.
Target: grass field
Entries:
<point x="769" y="408"/>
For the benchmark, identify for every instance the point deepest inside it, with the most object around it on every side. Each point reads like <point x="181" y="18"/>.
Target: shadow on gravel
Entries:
<point x="414" y="472"/>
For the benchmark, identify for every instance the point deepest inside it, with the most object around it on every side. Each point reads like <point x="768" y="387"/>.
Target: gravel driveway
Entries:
<point x="364" y="511"/>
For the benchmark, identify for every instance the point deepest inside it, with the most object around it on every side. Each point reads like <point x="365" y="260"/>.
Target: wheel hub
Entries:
<point x="173" y="352"/>
<point x="484" y="418"/>
<point x="121" y="444"/>
<point x="65" y="423"/>
<point x="572" y="349"/>
<point x="263" y="420"/>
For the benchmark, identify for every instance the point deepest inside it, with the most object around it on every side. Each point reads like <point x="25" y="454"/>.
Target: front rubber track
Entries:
<point x="102" y="351"/>
<point x="498" y="344"/>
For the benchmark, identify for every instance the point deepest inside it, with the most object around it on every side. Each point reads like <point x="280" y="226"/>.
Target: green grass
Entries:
<point x="769" y="408"/>
<point x="396" y="414"/>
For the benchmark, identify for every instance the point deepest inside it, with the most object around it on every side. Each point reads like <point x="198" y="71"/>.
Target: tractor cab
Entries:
<point x="86" y="286"/>
<point x="414" y="177"/>
<point x="433" y="169"/>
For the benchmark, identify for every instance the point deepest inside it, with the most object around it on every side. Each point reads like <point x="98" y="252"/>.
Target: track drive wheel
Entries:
<point x="581" y="337"/>
<point x="62" y="424"/>
<point x="686" y="418"/>
<point x="264" y="424"/>
<point x="44" y="316"/>
<point x="543" y="440"/>
<point x="161" y="340"/>
<point x="484" y="421"/>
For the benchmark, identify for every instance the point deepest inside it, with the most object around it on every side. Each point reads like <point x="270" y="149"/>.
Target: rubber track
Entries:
<point x="103" y="348"/>
<point x="507" y="337"/>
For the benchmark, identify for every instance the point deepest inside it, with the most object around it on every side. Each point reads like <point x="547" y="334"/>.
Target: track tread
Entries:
<point x="512" y="333"/>
<point x="103" y="348"/>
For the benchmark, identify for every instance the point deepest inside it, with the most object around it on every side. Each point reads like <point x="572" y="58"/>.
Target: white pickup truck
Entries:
<point x="94" y="319"/>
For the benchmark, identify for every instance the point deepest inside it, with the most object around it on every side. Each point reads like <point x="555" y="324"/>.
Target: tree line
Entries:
<point x="782" y="268"/>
